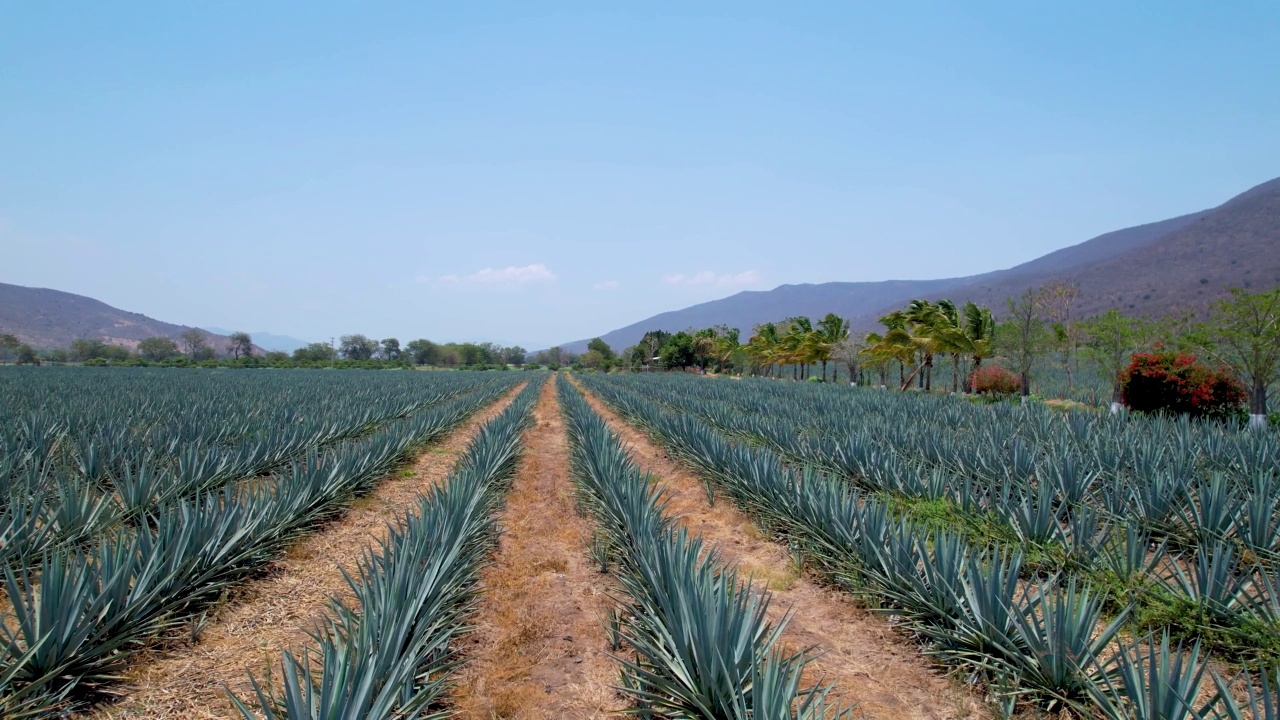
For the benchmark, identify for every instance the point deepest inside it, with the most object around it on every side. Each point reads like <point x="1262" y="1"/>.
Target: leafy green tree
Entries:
<point x="473" y="354"/>
<point x="196" y="344"/>
<point x="157" y="348"/>
<point x="314" y="352"/>
<point x="27" y="355"/>
<point x="390" y="350"/>
<point x="1110" y="340"/>
<point x="116" y="353"/>
<point x="357" y="347"/>
<point x="1025" y="335"/>
<point x="423" y="351"/>
<point x="1059" y="299"/>
<point x="275" y="357"/>
<point x="86" y="349"/>
<point x="649" y="347"/>
<point x="594" y="360"/>
<point x="57" y="356"/>
<point x="240" y="343"/>
<point x="601" y="347"/>
<point x="552" y="356"/>
<point x="678" y="352"/>
<point x="1244" y="333"/>
<point x="8" y="343"/>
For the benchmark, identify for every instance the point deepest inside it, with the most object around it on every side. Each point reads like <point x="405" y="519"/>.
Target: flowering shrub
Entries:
<point x="995" y="380"/>
<point x="1170" y="383"/>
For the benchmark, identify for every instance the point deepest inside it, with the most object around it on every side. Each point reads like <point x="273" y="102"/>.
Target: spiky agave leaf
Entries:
<point x="1214" y="584"/>
<point x="1261" y="701"/>
<point x="1155" y="681"/>
<point x="1059" y="629"/>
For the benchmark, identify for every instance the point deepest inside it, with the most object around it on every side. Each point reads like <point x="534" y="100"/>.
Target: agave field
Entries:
<point x="134" y="499"/>
<point x="1072" y="564"/>
<point x="1113" y="567"/>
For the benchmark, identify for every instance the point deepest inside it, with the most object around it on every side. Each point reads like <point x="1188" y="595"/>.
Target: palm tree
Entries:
<point x="927" y="325"/>
<point x="896" y="344"/>
<point x="704" y="344"/>
<point x="951" y="338"/>
<point x="763" y="346"/>
<point x="797" y="330"/>
<point x="832" y="331"/>
<point x="726" y="345"/>
<point x="979" y="330"/>
<point x="892" y="345"/>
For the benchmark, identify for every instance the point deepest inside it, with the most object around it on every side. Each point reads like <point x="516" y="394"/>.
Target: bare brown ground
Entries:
<point x="871" y="667"/>
<point x="539" y="649"/>
<point x="274" y="614"/>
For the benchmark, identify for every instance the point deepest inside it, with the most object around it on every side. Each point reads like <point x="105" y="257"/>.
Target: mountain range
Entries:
<point x="269" y="341"/>
<point x="44" y="319"/>
<point x="1161" y="268"/>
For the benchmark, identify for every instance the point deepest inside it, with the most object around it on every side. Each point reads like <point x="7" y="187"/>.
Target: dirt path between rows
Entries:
<point x="539" y="649"/>
<point x="274" y="614"/>
<point x="872" y="668"/>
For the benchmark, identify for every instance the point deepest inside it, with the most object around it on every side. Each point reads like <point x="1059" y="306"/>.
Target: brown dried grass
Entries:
<point x="539" y="648"/>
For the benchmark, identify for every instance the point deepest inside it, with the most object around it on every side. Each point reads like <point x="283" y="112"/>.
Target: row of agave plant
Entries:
<point x="700" y="643"/>
<point x="1201" y="549"/>
<point x="60" y="488"/>
<point x="391" y="652"/>
<point x="126" y="411"/>
<point x="80" y="613"/>
<point x="1044" y="642"/>
<point x="1186" y="481"/>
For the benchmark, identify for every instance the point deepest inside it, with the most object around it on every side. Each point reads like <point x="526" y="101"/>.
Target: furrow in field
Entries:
<point x="274" y="614"/>
<point x="539" y="648"/>
<point x="871" y="666"/>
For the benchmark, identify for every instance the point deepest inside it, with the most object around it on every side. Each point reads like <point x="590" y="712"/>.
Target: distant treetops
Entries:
<point x="1241" y="337"/>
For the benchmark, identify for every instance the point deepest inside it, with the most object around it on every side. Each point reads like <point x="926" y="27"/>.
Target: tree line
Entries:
<point x="195" y="347"/>
<point x="1241" y="334"/>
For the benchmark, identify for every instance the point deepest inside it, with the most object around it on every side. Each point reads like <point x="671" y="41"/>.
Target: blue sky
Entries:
<point x="540" y="172"/>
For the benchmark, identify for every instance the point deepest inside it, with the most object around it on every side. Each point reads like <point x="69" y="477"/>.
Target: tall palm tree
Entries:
<point x="832" y="330"/>
<point x="979" y="330"/>
<point x="891" y="345"/>
<point x="797" y="329"/>
<point x="726" y="345"/>
<point x="704" y="345"/>
<point x="952" y="339"/>
<point x="763" y="346"/>
<point x="927" y="324"/>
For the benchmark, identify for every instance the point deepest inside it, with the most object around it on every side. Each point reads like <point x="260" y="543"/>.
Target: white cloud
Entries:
<point x="507" y="276"/>
<point x="607" y="285"/>
<point x="706" y="277"/>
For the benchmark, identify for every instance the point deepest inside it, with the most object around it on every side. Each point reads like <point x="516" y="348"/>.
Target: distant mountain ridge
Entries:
<point x="46" y="319"/>
<point x="269" y="341"/>
<point x="1155" y="269"/>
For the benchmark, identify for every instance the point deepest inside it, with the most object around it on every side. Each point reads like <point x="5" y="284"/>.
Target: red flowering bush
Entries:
<point x="1170" y="383"/>
<point x="995" y="380"/>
